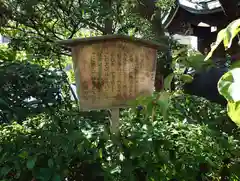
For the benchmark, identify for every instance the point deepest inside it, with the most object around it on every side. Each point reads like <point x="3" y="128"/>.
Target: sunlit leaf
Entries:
<point x="220" y="38"/>
<point x="100" y="153"/>
<point x="167" y="81"/>
<point x="233" y="109"/>
<point x="231" y="31"/>
<point x="229" y="85"/>
<point x="187" y="78"/>
<point x="196" y="60"/>
<point x="23" y="154"/>
<point x="226" y="35"/>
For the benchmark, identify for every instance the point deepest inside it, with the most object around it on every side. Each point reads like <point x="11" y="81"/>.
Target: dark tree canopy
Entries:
<point x="35" y="26"/>
<point x="27" y="89"/>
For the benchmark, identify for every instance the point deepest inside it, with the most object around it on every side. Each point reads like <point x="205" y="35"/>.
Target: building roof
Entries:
<point x="192" y="6"/>
<point x="200" y="6"/>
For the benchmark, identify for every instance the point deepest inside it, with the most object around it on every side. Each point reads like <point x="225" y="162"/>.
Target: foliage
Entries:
<point x="192" y="141"/>
<point x="65" y="145"/>
<point x="35" y="26"/>
<point x="226" y="36"/>
<point x="27" y="89"/>
<point x="165" y="4"/>
<point x="228" y="85"/>
<point x="182" y="59"/>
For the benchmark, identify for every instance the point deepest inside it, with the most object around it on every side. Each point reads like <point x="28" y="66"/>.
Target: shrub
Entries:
<point x="67" y="146"/>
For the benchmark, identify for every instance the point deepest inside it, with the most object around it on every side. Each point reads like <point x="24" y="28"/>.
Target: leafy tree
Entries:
<point x="27" y="89"/>
<point x="36" y="26"/>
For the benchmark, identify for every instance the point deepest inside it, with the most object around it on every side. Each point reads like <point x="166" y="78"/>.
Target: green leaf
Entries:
<point x="4" y="104"/>
<point x="100" y="153"/>
<point x="163" y="102"/>
<point x="23" y="155"/>
<point x="220" y="38"/>
<point x="168" y="81"/>
<point x="150" y="107"/>
<point x="196" y="60"/>
<point x="187" y="78"/>
<point x="44" y="174"/>
<point x="231" y="31"/>
<point x="5" y="170"/>
<point x="50" y="163"/>
<point x="226" y="35"/>
<point x="56" y="177"/>
<point x="233" y="109"/>
<point x="31" y="162"/>
<point x="121" y="157"/>
<point x="229" y="85"/>
<point x="235" y="65"/>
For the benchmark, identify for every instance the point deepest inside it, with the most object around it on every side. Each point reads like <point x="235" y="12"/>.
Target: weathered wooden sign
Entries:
<point x="111" y="70"/>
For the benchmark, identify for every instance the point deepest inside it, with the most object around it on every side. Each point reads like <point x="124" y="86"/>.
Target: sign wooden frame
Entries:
<point x="127" y="55"/>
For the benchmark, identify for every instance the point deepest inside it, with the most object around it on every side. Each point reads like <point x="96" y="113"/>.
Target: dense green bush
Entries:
<point x="26" y="88"/>
<point x="53" y="143"/>
<point x="66" y="145"/>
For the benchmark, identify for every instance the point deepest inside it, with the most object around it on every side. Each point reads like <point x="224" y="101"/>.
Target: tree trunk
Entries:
<point x="148" y="10"/>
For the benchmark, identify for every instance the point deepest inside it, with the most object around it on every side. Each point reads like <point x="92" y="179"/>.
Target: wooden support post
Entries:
<point x="114" y="121"/>
<point x="108" y="29"/>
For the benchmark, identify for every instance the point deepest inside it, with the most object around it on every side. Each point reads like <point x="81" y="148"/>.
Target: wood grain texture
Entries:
<point x="108" y="74"/>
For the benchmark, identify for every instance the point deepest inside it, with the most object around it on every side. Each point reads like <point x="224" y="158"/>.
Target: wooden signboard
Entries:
<point x="112" y="70"/>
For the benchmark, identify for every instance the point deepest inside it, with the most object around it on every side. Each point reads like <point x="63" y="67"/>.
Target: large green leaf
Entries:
<point x="187" y="78"/>
<point x="234" y="111"/>
<point x="167" y="81"/>
<point x="229" y="85"/>
<point x="226" y="36"/>
<point x="163" y="102"/>
<point x="196" y="61"/>
<point x="219" y="40"/>
<point x="231" y="31"/>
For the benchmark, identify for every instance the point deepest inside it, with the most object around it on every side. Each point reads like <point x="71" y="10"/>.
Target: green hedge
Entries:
<point x="66" y="145"/>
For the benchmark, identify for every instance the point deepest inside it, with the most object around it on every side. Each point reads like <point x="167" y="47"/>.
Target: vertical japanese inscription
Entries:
<point x="119" y="67"/>
<point x="118" y="71"/>
<point x="99" y="71"/>
<point x="136" y="70"/>
<point x="112" y="73"/>
<point x="130" y="77"/>
<point x="124" y="74"/>
<point x="93" y="64"/>
<point x="105" y="64"/>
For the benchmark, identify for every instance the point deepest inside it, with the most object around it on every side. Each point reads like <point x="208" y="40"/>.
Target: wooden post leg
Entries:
<point x="114" y="123"/>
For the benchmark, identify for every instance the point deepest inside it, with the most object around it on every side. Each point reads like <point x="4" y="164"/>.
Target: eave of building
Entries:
<point x="199" y="7"/>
